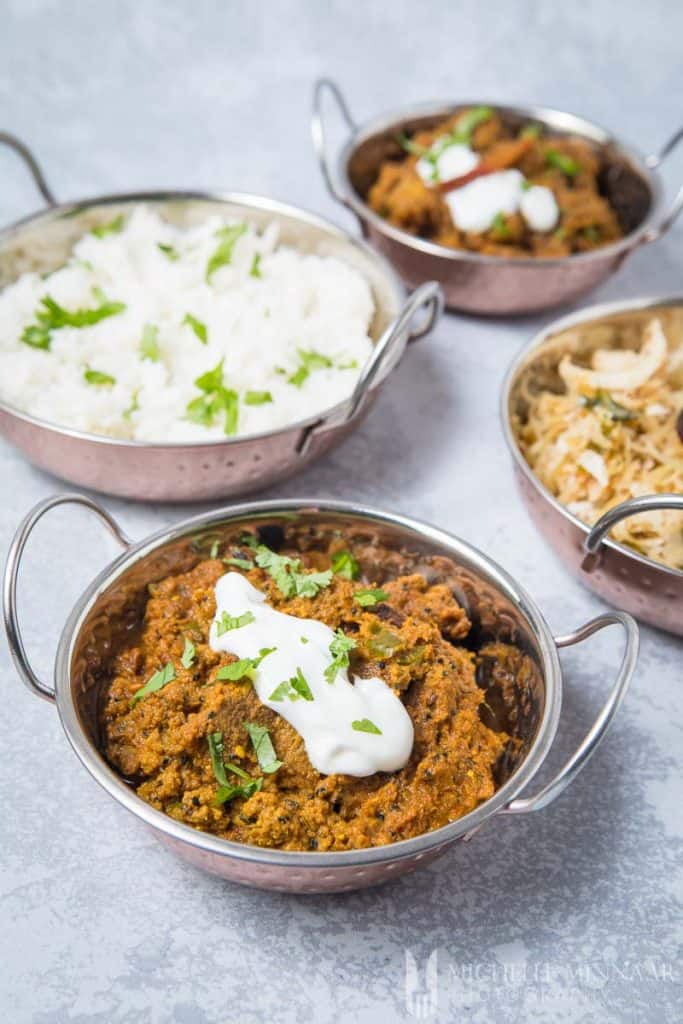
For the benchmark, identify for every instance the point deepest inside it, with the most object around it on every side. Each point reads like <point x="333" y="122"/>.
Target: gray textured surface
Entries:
<point x="569" y="915"/>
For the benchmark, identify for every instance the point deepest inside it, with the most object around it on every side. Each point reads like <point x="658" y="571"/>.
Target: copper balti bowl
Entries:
<point x="498" y="607"/>
<point x="200" y="471"/>
<point x="474" y="282"/>
<point x="649" y="590"/>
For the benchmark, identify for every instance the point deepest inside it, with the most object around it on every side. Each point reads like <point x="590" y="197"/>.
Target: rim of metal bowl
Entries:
<point x="587" y="315"/>
<point x="550" y="116"/>
<point x="123" y="794"/>
<point x="256" y="202"/>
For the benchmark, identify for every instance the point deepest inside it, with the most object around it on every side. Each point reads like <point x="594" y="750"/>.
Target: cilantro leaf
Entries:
<point x="156" y="682"/>
<point x="169" y="251"/>
<point x="216" y="400"/>
<point x="255" y="270"/>
<point x="367" y="596"/>
<point x="263" y="747"/>
<point x="293" y="688"/>
<point x="257" y="397"/>
<point x="149" y="348"/>
<point x="288" y="575"/>
<point x="344" y="564"/>
<point x="613" y="409"/>
<point x="52" y="317"/>
<point x="198" y="327"/>
<point x="98" y="379"/>
<point x="134" y="405"/>
<point x="189" y="654"/>
<point x="309" y="583"/>
<point x="245" y="668"/>
<point x="222" y="255"/>
<point x="339" y="649"/>
<point x="240" y="563"/>
<point x="562" y="162"/>
<point x="365" y="725"/>
<point x="228" y="791"/>
<point x="113" y="227"/>
<point x="227" y="622"/>
<point x="308" y="360"/>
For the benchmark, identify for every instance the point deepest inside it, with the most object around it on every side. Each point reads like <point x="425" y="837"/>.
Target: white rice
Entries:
<point x="258" y="326"/>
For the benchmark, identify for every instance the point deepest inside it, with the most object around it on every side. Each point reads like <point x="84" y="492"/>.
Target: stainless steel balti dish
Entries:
<point x="200" y="471"/>
<point x="649" y="590"/>
<point x="498" y="607"/>
<point x="475" y="282"/>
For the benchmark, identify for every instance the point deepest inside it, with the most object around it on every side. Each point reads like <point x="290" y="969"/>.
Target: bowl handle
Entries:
<point x="9" y="597"/>
<point x="592" y="545"/>
<point x="654" y="161"/>
<point x="385" y="355"/>
<point x="322" y="86"/>
<point x="27" y="156"/>
<point x="593" y="738"/>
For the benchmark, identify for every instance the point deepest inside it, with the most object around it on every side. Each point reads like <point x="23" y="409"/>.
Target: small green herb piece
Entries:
<point x="562" y="162"/>
<point x="263" y="747"/>
<point x="309" y="583"/>
<point x="293" y="688"/>
<point x="365" y="725"/>
<point x="113" y="227"/>
<point x="257" y="397"/>
<point x="222" y="255"/>
<point x="215" y="548"/>
<point x="499" y="225"/>
<point x="216" y="400"/>
<point x="227" y="622"/>
<point x="471" y="119"/>
<point x="156" y="682"/>
<point x="613" y="409"/>
<point x="169" y="251"/>
<point x="189" y="654"/>
<point x="304" y="640"/>
<point x="227" y="790"/>
<point x="414" y="148"/>
<point x="592" y="233"/>
<point x="526" y="185"/>
<point x="239" y="563"/>
<point x="149" y="348"/>
<point x="367" y="597"/>
<point x="52" y="317"/>
<point x="531" y="131"/>
<point x="288" y="575"/>
<point x="98" y="379"/>
<point x="249" y="540"/>
<point x="308" y="361"/>
<point x="339" y="649"/>
<point x="197" y="326"/>
<point x="245" y="668"/>
<point x="351" y="365"/>
<point x="344" y="564"/>
<point x="255" y="269"/>
<point x="134" y="405"/>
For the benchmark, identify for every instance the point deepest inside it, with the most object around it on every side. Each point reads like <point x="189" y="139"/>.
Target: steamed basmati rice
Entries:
<point x="271" y="335"/>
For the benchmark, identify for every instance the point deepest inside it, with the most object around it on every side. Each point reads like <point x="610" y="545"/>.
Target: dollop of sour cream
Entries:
<point x="325" y="721"/>
<point x="451" y="162"/>
<point x="475" y="206"/>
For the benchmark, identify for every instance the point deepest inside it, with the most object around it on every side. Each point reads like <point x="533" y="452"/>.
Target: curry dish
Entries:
<point x="416" y="192"/>
<point x="416" y="636"/>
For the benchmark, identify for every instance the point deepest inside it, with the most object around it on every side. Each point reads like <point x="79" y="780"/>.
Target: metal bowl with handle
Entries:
<point x="622" y="576"/>
<point x="476" y="282"/>
<point x="199" y="471"/>
<point x="498" y="607"/>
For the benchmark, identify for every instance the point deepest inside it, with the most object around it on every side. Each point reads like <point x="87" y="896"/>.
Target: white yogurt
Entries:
<point x="474" y="206"/>
<point x="452" y="162"/>
<point x="324" y="723"/>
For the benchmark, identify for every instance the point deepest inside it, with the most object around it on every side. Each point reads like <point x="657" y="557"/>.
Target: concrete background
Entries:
<point x="572" y="914"/>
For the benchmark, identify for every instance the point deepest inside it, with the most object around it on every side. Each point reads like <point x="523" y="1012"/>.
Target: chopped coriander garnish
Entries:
<point x="292" y="689"/>
<point x="365" y="725"/>
<point x="197" y="326"/>
<point x="288" y="574"/>
<point x="52" y="317"/>
<point x="134" y="405"/>
<point x="308" y="361"/>
<point x="149" y="348"/>
<point x="613" y="409"/>
<point x="169" y="251"/>
<point x="227" y="622"/>
<point x="189" y="654"/>
<point x="367" y="597"/>
<point x="98" y="379"/>
<point x="344" y="564"/>
<point x="304" y="640"/>
<point x="526" y="185"/>
<point x="245" y="668"/>
<point x="161" y="678"/>
<point x="215" y="548"/>
<point x="471" y="119"/>
<point x="113" y="227"/>
<point x="351" y="365"/>
<point x="216" y="400"/>
<point x="414" y="148"/>
<point x="240" y="563"/>
<point x="531" y="131"/>
<point x="500" y="225"/>
<point x="222" y="255"/>
<point x="263" y="747"/>
<point x="562" y="162"/>
<point x="249" y="540"/>
<point x="227" y="790"/>
<point x="257" y="397"/>
<point x="339" y="649"/>
<point x="255" y="270"/>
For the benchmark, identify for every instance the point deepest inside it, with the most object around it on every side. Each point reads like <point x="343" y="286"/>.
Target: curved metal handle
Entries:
<point x="391" y="346"/>
<point x="653" y="161"/>
<point x="9" y="597"/>
<point x="322" y="86"/>
<point x="27" y="156"/>
<point x="592" y="545"/>
<point x="594" y="737"/>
